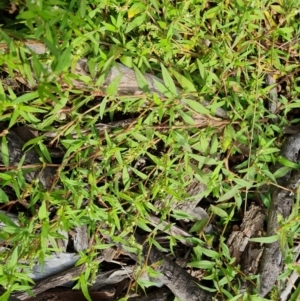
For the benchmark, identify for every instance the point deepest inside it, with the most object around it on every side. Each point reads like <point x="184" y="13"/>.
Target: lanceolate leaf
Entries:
<point x="266" y="240"/>
<point x="112" y="89"/>
<point x="5" y="151"/>
<point x="168" y="81"/>
<point x="230" y="194"/>
<point x="197" y="106"/>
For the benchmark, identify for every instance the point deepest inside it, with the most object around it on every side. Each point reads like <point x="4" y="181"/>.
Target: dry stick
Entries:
<point x="273" y="95"/>
<point x="292" y="279"/>
<point x="238" y="241"/>
<point x="281" y="204"/>
<point x="177" y="279"/>
<point x="163" y="294"/>
<point x="102" y="279"/>
<point x="53" y="281"/>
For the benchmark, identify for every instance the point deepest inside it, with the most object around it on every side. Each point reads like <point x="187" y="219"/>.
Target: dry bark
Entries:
<point x="238" y="241"/>
<point x="163" y="294"/>
<point x="63" y="294"/>
<point x="273" y="96"/>
<point x="177" y="279"/>
<point x="102" y="279"/>
<point x="281" y="204"/>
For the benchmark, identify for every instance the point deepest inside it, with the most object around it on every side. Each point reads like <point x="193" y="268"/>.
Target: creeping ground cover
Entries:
<point x="149" y="150"/>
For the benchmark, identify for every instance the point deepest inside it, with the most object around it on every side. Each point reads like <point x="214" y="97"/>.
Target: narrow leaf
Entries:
<point x="218" y="211"/>
<point x="168" y="81"/>
<point x="5" y="152"/>
<point x="197" y="106"/>
<point x="266" y="240"/>
<point x="112" y="88"/>
<point x="230" y="194"/>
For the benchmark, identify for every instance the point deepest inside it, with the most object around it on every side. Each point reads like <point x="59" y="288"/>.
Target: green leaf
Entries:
<point x="43" y="213"/>
<point x="168" y="81"/>
<point x="135" y="9"/>
<point x="201" y="69"/>
<point x="6" y="220"/>
<point x="197" y="106"/>
<point x="82" y="8"/>
<point x="3" y="196"/>
<point x="64" y="60"/>
<point x="126" y="60"/>
<point x="266" y="240"/>
<point x="199" y="225"/>
<point x="125" y="176"/>
<point x="218" y="211"/>
<point x="184" y="82"/>
<point x="230" y="194"/>
<point x="91" y="179"/>
<point x="204" y="160"/>
<point x="141" y="80"/>
<point x="13" y="260"/>
<point x="135" y="23"/>
<point x="84" y="288"/>
<point x="31" y="109"/>
<point x="26" y="15"/>
<point x="26" y="97"/>
<point x="143" y="225"/>
<point x="29" y="117"/>
<point x="286" y="162"/>
<point x="5" y="176"/>
<point x="5" y="151"/>
<point x="139" y="137"/>
<point x="162" y="89"/>
<point x="182" y="141"/>
<point x="102" y="107"/>
<point x="202" y="264"/>
<point x="112" y="88"/>
<point x="45" y="152"/>
<point x="281" y="172"/>
<point x="238" y="297"/>
<point x="187" y="118"/>
<point x="44" y="236"/>
<point x="32" y="142"/>
<point x="211" y="253"/>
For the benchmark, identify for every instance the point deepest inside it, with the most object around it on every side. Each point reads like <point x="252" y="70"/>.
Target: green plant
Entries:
<point x="219" y="51"/>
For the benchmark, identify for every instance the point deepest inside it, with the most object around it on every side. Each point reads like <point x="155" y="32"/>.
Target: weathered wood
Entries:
<point x="163" y="294"/>
<point x="67" y="275"/>
<point x="273" y="95"/>
<point x="238" y="241"/>
<point x="177" y="279"/>
<point x="64" y="294"/>
<point x="281" y="204"/>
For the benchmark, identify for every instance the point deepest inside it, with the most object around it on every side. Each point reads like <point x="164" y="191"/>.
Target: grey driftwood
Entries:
<point x="238" y="241"/>
<point x="281" y="204"/>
